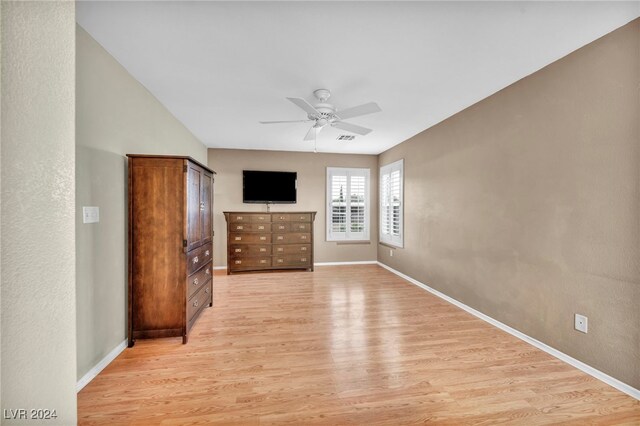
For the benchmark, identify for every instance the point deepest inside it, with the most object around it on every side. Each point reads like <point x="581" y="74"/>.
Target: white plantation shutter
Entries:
<point x="347" y="204"/>
<point x="391" y="206"/>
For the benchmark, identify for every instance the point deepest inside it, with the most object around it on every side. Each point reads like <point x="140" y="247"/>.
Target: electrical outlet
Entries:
<point x="581" y="323"/>
<point x="391" y="252"/>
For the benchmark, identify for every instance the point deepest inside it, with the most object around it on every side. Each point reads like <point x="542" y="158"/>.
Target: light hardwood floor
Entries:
<point x="343" y="345"/>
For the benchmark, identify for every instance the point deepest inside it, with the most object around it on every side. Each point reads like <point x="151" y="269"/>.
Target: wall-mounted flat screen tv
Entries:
<point x="263" y="187"/>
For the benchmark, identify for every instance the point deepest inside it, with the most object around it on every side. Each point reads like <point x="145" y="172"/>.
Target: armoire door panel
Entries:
<point x="206" y="207"/>
<point x="194" y="215"/>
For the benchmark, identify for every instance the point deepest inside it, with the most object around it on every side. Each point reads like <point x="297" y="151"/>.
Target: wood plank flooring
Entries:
<point x="343" y="345"/>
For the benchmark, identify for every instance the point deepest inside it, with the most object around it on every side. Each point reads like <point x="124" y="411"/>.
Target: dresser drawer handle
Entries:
<point x="201" y="206"/>
<point x="303" y="259"/>
<point x="263" y="249"/>
<point x="195" y="282"/>
<point x="280" y="260"/>
<point x="195" y="304"/>
<point x="281" y="227"/>
<point x="239" y="227"/>
<point x="207" y="253"/>
<point x="280" y="237"/>
<point x="261" y="227"/>
<point x="280" y="249"/>
<point x="208" y="272"/>
<point x="195" y="260"/>
<point x="239" y="217"/>
<point x="238" y="262"/>
<point x="238" y="238"/>
<point x="281" y="217"/>
<point x="238" y="250"/>
<point x="260" y="217"/>
<point x="304" y="237"/>
<point x="302" y="227"/>
<point x="206" y="290"/>
<point x="263" y="261"/>
<point x="263" y="238"/>
<point x="303" y="248"/>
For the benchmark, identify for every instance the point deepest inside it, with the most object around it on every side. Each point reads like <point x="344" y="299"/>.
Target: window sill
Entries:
<point x="341" y="242"/>
<point x="390" y="245"/>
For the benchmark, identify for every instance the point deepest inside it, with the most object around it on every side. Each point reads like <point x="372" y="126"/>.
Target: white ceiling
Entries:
<point x="220" y="67"/>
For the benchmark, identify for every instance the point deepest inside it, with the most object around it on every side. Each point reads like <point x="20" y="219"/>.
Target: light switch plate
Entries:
<point x="90" y="214"/>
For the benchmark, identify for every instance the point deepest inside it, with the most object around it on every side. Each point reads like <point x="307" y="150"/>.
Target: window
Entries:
<point x="347" y="204"/>
<point x="391" y="208"/>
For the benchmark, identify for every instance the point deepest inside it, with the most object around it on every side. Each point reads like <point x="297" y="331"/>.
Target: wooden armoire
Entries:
<point x="170" y="245"/>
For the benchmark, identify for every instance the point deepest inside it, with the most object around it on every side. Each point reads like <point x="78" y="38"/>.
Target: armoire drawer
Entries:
<point x="199" y="257"/>
<point x="250" y="227"/>
<point x="250" y="250"/>
<point x="199" y="300"/>
<point x="249" y="238"/>
<point x="293" y="260"/>
<point x="248" y="262"/>
<point x="291" y="238"/>
<point x="283" y="249"/>
<point x="197" y="280"/>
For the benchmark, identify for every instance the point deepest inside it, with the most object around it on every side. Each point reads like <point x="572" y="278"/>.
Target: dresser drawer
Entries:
<point x="249" y="217"/>
<point x="300" y="217"/>
<point x="199" y="300"/>
<point x="294" y="237"/>
<point x="292" y="260"/>
<point x="279" y="250"/>
<point x="250" y="250"/>
<point x="281" y="227"/>
<point x="249" y="238"/>
<point x="300" y="227"/>
<point x="248" y="262"/>
<point x="199" y="257"/>
<point x="197" y="280"/>
<point x="250" y="227"/>
<point x="282" y="217"/>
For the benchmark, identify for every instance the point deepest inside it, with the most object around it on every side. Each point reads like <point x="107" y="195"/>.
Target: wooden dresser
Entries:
<point x="268" y="241"/>
<point x="170" y="245"/>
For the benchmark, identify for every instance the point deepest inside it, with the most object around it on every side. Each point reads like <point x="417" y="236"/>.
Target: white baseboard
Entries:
<point x="603" y="377"/>
<point x="360" y="262"/>
<point x="91" y="374"/>
<point x="219" y="268"/>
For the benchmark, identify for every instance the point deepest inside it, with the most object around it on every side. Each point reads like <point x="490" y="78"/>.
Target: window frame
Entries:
<point x="348" y="235"/>
<point x="390" y="239"/>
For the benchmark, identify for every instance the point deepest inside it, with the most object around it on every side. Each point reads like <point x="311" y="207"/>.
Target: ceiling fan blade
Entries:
<point x="309" y="109"/>
<point x="352" y="128"/>
<point x="290" y="121"/>
<point x="359" y="110"/>
<point x="311" y="134"/>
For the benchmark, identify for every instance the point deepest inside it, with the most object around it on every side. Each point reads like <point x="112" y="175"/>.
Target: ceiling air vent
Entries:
<point x="346" y="137"/>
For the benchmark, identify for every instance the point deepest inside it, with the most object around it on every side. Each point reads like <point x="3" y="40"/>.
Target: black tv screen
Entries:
<point x="269" y="187"/>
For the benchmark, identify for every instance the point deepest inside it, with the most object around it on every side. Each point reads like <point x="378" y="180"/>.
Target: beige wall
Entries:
<point x="311" y="168"/>
<point x="38" y="248"/>
<point x="116" y="115"/>
<point x="525" y="206"/>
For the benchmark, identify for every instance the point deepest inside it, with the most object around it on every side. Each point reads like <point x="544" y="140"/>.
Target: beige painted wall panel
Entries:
<point x="311" y="168"/>
<point x="116" y="115"/>
<point x="37" y="223"/>
<point x="526" y="205"/>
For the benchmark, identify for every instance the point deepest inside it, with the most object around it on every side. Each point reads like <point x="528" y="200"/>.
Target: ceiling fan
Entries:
<point x="325" y="114"/>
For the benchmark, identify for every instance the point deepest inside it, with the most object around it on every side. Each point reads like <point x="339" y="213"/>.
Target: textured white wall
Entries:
<point x="38" y="360"/>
